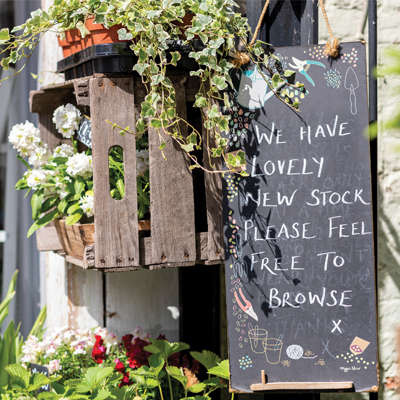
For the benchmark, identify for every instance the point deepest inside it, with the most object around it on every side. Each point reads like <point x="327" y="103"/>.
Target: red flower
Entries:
<point x="125" y="380"/>
<point x="119" y="366"/>
<point x="99" y="351"/>
<point x="137" y="356"/>
<point x="161" y="337"/>
<point x="195" y="366"/>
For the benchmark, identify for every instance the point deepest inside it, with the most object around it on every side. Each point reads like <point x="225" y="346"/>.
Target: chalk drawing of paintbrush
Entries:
<point x="351" y="83"/>
<point x="247" y="308"/>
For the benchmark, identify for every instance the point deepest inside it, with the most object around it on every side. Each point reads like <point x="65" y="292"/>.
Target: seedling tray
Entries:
<point x="117" y="58"/>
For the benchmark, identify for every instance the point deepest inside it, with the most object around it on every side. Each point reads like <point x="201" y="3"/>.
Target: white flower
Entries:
<point x="35" y="178"/>
<point x="140" y="333"/>
<point x="80" y="164"/>
<point x="112" y="339"/>
<point x="67" y="119"/>
<point x="25" y="138"/>
<point x="79" y="349"/>
<point x="87" y="205"/>
<point x="65" y="150"/>
<point x="39" y="156"/>
<point x="53" y="366"/>
<point x="142" y="161"/>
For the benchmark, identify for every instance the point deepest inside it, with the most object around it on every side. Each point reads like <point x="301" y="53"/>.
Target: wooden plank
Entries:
<point x="116" y="222"/>
<point x="146" y="254"/>
<point x="171" y="196"/>
<point x="213" y="185"/>
<point x="62" y="233"/>
<point x="81" y="89"/>
<point x="47" y="239"/>
<point x="301" y="386"/>
<point x="48" y="98"/>
<point x="73" y="260"/>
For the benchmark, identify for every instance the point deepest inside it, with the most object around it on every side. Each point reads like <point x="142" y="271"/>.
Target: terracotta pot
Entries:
<point x="73" y="37"/>
<point x="66" y="48"/>
<point x="99" y="34"/>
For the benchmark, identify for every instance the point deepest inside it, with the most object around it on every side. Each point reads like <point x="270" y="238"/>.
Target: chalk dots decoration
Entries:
<point x="295" y="352"/>
<point x="245" y="362"/>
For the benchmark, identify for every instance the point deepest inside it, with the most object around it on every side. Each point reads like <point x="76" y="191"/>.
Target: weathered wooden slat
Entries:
<point x="48" y="98"/>
<point x="48" y="131"/>
<point x="213" y="185"/>
<point x="47" y="239"/>
<point x="116" y="222"/>
<point x="171" y="196"/>
<point x="146" y="255"/>
<point x="81" y="88"/>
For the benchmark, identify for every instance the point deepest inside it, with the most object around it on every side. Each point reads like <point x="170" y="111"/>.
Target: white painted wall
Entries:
<point x="345" y="17"/>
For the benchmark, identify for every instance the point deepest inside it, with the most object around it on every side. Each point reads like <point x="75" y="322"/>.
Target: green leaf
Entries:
<point x="148" y="110"/>
<point x="176" y="56"/>
<point x="219" y="82"/>
<point x="171" y="112"/>
<point x="43" y="221"/>
<point x="7" y="356"/>
<point x="47" y="396"/>
<point x="82" y="29"/>
<point x="157" y="79"/>
<point x="73" y="208"/>
<point x="24" y="162"/>
<point x="37" y="380"/>
<point x="156" y="123"/>
<point x="4" y="35"/>
<point x="124" y="35"/>
<point x="214" y="382"/>
<point x="156" y="363"/>
<point x="187" y="147"/>
<point x="5" y="63"/>
<point x="277" y="81"/>
<point x="7" y="298"/>
<point x="197" y="388"/>
<point x="203" y="19"/>
<point x="93" y="377"/>
<point x="49" y="203"/>
<point x="21" y="184"/>
<point x="226" y="100"/>
<point x="213" y="112"/>
<point x="63" y="204"/>
<point x="176" y="373"/>
<point x="19" y="374"/>
<point x="296" y="104"/>
<point x="200" y="101"/>
<point x="79" y="187"/>
<point x="140" y="68"/>
<point x="207" y="358"/>
<point x="102" y="395"/>
<point x="36" y="204"/>
<point x="74" y="218"/>
<point x="221" y="370"/>
<point x="154" y="14"/>
<point x="121" y="187"/>
<point x="289" y="72"/>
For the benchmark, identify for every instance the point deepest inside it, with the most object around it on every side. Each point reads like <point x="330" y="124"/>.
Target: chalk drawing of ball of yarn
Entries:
<point x="257" y="336"/>
<point x="295" y="352"/>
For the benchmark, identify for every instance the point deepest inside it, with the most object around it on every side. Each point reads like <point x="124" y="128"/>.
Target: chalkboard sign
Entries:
<point x="298" y="231"/>
<point x="36" y="368"/>
<point x="84" y="134"/>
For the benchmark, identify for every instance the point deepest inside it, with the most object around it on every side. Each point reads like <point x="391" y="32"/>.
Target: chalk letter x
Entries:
<point x="336" y="326"/>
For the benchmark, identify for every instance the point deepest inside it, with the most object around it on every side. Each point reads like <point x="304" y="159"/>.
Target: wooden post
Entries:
<point x="173" y="235"/>
<point x="116" y="222"/>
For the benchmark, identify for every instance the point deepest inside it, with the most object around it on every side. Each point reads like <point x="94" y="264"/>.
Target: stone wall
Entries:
<point x="346" y="18"/>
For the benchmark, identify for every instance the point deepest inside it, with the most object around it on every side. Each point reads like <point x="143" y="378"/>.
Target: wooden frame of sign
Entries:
<point x="300" y="275"/>
<point x="173" y="240"/>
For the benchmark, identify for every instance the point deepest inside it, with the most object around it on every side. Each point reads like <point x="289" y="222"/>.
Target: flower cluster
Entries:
<point x="142" y="161"/>
<point x="26" y="139"/>
<point x="80" y="164"/>
<point x="87" y="205"/>
<point x="66" y="119"/>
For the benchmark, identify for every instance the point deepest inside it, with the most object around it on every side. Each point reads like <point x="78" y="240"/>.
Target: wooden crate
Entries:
<point x="118" y="246"/>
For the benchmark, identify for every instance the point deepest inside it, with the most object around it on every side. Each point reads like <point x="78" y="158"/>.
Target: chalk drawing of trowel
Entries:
<point x="247" y="308"/>
<point x="351" y="83"/>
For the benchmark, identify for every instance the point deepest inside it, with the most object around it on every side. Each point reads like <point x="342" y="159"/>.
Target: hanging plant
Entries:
<point x="209" y="27"/>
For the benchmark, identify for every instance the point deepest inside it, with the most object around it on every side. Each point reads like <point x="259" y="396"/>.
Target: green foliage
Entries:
<point x="207" y="358"/>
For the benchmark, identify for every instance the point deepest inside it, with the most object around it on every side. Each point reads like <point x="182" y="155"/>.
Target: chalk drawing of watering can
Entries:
<point x="254" y="90"/>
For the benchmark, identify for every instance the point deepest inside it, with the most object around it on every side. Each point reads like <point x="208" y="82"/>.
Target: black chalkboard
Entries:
<point x="84" y="134"/>
<point x="298" y="231"/>
<point x="36" y="368"/>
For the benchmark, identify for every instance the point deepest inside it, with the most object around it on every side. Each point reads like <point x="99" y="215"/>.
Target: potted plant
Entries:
<point x="151" y="26"/>
<point x="62" y="180"/>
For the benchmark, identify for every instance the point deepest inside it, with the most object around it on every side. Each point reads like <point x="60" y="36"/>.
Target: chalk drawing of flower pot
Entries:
<point x="257" y="336"/>
<point x="273" y="348"/>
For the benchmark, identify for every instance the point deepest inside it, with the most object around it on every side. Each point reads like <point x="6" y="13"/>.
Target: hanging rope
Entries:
<point x="331" y="48"/>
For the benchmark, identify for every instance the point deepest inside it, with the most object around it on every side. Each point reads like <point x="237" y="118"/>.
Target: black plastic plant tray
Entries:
<point x="117" y="58"/>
